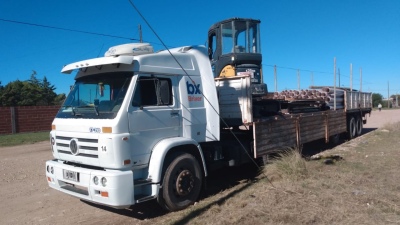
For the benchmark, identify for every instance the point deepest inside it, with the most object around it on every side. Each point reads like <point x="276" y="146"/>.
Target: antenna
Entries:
<point x="140" y="34"/>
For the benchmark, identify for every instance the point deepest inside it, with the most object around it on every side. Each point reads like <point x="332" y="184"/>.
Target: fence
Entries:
<point x="22" y="119"/>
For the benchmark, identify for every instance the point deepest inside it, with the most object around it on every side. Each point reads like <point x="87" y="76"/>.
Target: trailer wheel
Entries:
<point x="182" y="183"/>
<point x="352" y="130"/>
<point x="334" y="139"/>
<point x="359" y="125"/>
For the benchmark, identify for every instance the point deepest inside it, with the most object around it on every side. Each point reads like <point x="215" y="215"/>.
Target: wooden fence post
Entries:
<point x="13" y="122"/>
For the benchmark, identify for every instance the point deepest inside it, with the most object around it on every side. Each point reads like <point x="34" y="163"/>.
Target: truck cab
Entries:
<point x="131" y="126"/>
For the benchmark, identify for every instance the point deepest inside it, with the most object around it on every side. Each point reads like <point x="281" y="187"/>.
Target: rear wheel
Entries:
<point x="351" y="125"/>
<point x="182" y="183"/>
<point x="334" y="139"/>
<point x="359" y="125"/>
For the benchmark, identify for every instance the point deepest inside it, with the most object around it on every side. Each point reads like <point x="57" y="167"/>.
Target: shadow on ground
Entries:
<point x="217" y="182"/>
<point x="230" y="177"/>
<point x="318" y="146"/>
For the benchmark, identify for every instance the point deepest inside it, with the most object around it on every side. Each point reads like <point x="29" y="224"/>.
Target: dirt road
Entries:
<point x="378" y="119"/>
<point x="26" y="198"/>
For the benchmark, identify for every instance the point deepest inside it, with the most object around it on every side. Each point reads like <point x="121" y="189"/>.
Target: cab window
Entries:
<point x="151" y="91"/>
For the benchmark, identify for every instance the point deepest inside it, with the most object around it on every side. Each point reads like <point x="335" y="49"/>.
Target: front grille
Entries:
<point x="86" y="147"/>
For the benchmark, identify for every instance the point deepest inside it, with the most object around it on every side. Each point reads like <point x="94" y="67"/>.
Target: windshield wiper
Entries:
<point x="72" y="109"/>
<point x="96" y="110"/>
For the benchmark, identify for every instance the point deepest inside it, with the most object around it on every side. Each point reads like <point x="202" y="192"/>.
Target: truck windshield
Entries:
<point x="96" y="96"/>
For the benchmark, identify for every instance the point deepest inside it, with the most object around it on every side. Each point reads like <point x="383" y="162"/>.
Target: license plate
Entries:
<point x="71" y="175"/>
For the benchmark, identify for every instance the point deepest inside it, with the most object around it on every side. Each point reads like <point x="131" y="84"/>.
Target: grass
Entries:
<point x="23" y="138"/>
<point x="288" y="164"/>
<point x="359" y="187"/>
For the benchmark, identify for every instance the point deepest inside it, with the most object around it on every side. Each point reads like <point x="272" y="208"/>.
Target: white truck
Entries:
<point x="139" y="125"/>
<point x="136" y="127"/>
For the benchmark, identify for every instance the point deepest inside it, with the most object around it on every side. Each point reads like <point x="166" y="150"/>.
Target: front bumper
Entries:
<point x="117" y="192"/>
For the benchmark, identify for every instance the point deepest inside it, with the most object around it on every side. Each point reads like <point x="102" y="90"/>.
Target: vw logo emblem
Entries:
<point x="73" y="146"/>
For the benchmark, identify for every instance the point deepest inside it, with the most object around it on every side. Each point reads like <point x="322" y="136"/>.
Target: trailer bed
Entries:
<point x="275" y="133"/>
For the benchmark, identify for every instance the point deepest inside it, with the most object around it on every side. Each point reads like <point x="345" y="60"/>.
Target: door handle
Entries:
<point x="174" y="114"/>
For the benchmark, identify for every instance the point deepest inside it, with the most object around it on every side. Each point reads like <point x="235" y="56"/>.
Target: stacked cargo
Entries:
<point x="320" y="94"/>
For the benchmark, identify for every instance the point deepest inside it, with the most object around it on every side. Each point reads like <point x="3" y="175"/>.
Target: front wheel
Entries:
<point x="182" y="183"/>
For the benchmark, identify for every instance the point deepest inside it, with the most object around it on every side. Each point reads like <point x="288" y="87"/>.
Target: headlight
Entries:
<point x="103" y="181"/>
<point x="50" y="169"/>
<point x="95" y="180"/>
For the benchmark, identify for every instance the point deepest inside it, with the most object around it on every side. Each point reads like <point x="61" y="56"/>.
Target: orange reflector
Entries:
<point x="48" y="179"/>
<point x="127" y="161"/>
<point x="104" y="194"/>
<point x="53" y="127"/>
<point x="106" y="129"/>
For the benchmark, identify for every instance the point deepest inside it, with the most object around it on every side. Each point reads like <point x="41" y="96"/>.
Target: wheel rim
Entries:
<point x="184" y="183"/>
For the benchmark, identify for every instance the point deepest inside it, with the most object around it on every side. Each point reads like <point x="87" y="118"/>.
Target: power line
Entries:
<point x="77" y="31"/>
<point x="311" y="71"/>
<point x="67" y="29"/>
<point x="291" y="68"/>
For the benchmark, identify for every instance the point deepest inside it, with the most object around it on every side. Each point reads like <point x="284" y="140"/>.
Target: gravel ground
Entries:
<point x="26" y="198"/>
<point x="379" y="119"/>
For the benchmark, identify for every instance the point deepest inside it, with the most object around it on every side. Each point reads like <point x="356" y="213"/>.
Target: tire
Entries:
<point x="359" y="125"/>
<point x="352" y="131"/>
<point x="334" y="139"/>
<point x="182" y="183"/>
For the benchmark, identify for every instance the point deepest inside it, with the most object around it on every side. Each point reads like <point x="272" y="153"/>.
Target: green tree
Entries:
<point x="31" y="92"/>
<point x="48" y="94"/>
<point x="11" y="94"/>
<point x="34" y="79"/>
<point x="59" y="99"/>
<point x="1" y="92"/>
<point x="376" y="99"/>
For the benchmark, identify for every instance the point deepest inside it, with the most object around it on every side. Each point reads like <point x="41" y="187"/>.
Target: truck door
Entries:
<point x="153" y="114"/>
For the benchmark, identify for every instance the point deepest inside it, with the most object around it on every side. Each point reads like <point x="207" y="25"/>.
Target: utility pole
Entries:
<point x="334" y="83"/>
<point x="359" y="95"/>
<point x="351" y="77"/>
<point x="312" y="78"/>
<point x="360" y="79"/>
<point x="339" y="76"/>
<point x="298" y="79"/>
<point x="275" y="79"/>
<point x="388" y="97"/>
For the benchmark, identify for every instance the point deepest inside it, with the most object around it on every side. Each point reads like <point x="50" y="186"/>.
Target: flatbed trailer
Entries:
<point x="278" y="124"/>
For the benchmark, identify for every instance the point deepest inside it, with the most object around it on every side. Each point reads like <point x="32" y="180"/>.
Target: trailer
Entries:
<point x="291" y="121"/>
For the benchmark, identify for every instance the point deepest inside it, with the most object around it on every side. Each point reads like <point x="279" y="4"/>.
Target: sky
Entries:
<point x="301" y="37"/>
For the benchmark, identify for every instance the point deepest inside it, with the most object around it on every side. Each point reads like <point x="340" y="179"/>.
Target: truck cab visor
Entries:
<point x="97" y="62"/>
